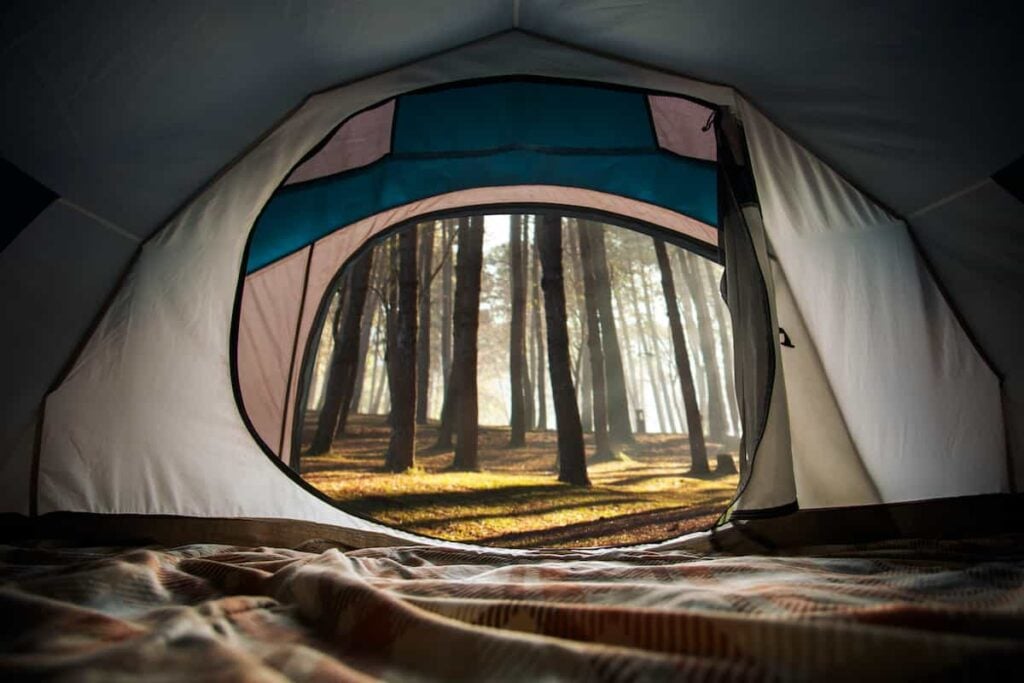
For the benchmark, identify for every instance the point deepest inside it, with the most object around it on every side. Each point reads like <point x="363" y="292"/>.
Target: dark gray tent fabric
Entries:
<point x="54" y="277"/>
<point x="976" y="243"/>
<point x="128" y="108"/>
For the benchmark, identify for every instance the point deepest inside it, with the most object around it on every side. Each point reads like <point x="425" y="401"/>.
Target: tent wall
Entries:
<point x="827" y="469"/>
<point x="976" y="244"/>
<point x="269" y="316"/>
<point x="921" y="405"/>
<point x="55" y="276"/>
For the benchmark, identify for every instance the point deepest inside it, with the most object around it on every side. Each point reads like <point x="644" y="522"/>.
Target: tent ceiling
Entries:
<point x="127" y="108"/>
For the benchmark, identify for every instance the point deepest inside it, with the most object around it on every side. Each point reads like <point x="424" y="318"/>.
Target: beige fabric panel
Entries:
<point x="826" y="466"/>
<point x="680" y="127"/>
<point x="922" y="407"/>
<point x="271" y="298"/>
<point x="361" y="140"/>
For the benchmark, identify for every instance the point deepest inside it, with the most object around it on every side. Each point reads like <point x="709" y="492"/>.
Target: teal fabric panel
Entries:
<point x="523" y="115"/>
<point x="300" y="214"/>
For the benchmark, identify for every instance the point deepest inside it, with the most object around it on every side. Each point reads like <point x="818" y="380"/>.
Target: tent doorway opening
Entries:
<point x="524" y="380"/>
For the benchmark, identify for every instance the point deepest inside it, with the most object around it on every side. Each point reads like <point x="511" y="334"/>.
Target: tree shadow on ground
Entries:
<point x="517" y="501"/>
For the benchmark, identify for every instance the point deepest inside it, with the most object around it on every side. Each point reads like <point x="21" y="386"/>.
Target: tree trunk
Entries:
<point x="530" y="402"/>
<point x="583" y="372"/>
<point x="366" y="327"/>
<point x="517" y="335"/>
<point x="467" y="320"/>
<point x="692" y="270"/>
<point x="426" y="265"/>
<point x="661" y="386"/>
<point x="632" y="384"/>
<point x="645" y="351"/>
<point x="620" y="430"/>
<point x="445" y="428"/>
<point x="402" y="359"/>
<point x="671" y="397"/>
<point x="698" y="453"/>
<point x="538" y="337"/>
<point x="344" y="358"/>
<point x="377" y="387"/>
<point x="572" y="463"/>
<point x="446" y="306"/>
<point x="602" y="448"/>
<point x="719" y="314"/>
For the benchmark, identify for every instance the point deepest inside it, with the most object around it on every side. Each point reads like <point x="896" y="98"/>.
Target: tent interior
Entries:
<point x="590" y="339"/>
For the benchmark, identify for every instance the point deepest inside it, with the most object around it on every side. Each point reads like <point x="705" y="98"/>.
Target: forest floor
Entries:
<point x="516" y="500"/>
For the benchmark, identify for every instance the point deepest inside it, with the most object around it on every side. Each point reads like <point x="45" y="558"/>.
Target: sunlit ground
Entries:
<point x="517" y="501"/>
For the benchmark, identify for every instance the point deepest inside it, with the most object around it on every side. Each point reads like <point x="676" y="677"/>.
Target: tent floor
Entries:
<point x="895" y="610"/>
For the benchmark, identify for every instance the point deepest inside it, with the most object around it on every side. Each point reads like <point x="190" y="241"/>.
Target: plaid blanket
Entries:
<point x="902" y="611"/>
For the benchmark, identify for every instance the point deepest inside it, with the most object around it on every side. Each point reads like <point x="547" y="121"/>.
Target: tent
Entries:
<point x="175" y="172"/>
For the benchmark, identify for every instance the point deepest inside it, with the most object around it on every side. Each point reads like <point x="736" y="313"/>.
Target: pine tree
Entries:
<point x="572" y="464"/>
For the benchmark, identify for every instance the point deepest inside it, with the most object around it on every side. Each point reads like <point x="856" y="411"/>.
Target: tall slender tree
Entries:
<point x="584" y="384"/>
<point x="694" y="428"/>
<point x="645" y="352"/>
<point x="467" y="320"/>
<point x="720" y="316"/>
<point x="402" y="359"/>
<point x="667" y="417"/>
<point x="366" y="327"/>
<point x="345" y="357"/>
<point x="693" y="272"/>
<point x="602" y="449"/>
<point x="632" y="383"/>
<point x="517" y="335"/>
<point x="620" y="429"/>
<point x="572" y="463"/>
<point x="379" y="337"/>
<point x="446" y="428"/>
<point x="530" y="402"/>
<point x="426" y="267"/>
<point x="447" y="269"/>
<point x="538" y="337"/>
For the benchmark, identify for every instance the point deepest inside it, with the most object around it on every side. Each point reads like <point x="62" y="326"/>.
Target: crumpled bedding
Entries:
<point x="904" y="611"/>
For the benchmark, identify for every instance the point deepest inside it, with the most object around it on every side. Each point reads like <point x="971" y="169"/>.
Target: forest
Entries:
<point x="525" y="380"/>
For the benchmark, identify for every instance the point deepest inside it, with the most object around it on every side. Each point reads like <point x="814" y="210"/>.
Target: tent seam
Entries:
<point x="113" y="227"/>
<point x="953" y="196"/>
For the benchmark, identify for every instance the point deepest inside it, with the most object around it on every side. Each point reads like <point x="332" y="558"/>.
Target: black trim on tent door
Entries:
<point x="291" y="360"/>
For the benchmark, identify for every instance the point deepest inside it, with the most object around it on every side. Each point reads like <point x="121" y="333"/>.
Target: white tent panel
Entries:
<point x="922" y="406"/>
<point x="55" y="276"/>
<point x="826" y="466"/>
